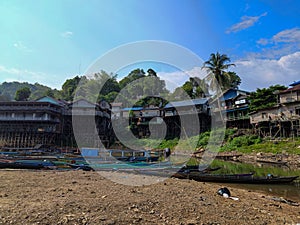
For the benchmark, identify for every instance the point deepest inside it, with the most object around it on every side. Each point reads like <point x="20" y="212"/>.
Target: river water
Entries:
<point x="288" y="191"/>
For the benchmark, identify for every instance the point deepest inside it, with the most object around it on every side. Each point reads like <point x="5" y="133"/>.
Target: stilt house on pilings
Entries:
<point x="179" y="115"/>
<point x="47" y="121"/>
<point x="232" y="108"/>
<point x="169" y="121"/>
<point x="282" y="120"/>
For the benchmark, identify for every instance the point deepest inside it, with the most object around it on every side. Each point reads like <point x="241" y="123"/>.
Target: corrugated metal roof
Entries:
<point x="132" y="109"/>
<point x="192" y="102"/>
<point x="48" y="99"/>
<point x="232" y="93"/>
<point x="295" y="88"/>
<point x="295" y="83"/>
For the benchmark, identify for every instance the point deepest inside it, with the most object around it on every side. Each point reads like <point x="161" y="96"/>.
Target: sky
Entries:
<point x="49" y="41"/>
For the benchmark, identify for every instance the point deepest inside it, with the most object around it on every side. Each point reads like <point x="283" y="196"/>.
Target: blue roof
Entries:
<point x="295" y="83"/>
<point x="232" y="93"/>
<point x="192" y="102"/>
<point x="48" y="99"/>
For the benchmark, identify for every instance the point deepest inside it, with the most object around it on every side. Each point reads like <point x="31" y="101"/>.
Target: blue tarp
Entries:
<point x="89" y="152"/>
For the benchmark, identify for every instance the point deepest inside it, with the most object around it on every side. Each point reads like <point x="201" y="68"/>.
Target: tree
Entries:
<point x="233" y="80"/>
<point x="151" y="72"/>
<point x="265" y="97"/>
<point x="194" y="88"/>
<point x="216" y="67"/>
<point x="22" y="94"/>
<point x="49" y="93"/>
<point x="69" y="87"/>
<point x="188" y="88"/>
<point x="133" y="75"/>
<point x="137" y="86"/>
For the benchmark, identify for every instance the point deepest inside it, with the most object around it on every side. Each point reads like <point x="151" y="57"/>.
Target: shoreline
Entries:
<point x="78" y="197"/>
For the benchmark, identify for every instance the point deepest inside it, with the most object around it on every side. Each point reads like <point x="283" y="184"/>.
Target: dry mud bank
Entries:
<point x="77" y="197"/>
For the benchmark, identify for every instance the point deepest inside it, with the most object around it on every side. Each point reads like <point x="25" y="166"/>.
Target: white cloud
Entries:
<point x="25" y="75"/>
<point x="262" y="73"/>
<point x="66" y="34"/>
<point x="22" y="47"/>
<point x="247" y="21"/>
<point x="285" y="36"/>
<point x="280" y="44"/>
<point x="263" y="41"/>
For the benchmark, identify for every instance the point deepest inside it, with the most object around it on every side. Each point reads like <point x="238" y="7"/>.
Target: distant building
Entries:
<point x="48" y="121"/>
<point x="116" y="108"/>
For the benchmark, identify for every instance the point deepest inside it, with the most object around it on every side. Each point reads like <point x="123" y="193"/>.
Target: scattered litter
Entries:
<point x="226" y="193"/>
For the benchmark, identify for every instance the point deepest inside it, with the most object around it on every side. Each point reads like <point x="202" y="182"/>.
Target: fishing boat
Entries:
<point x="247" y="178"/>
<point x="26" y="164"/>
<point x="206" y="177"/>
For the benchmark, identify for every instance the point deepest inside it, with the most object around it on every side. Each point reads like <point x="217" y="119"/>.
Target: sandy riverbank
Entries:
<point x="77" y="197"/>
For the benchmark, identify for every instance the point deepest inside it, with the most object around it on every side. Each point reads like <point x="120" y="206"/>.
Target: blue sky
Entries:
<point x="50" y="41"/>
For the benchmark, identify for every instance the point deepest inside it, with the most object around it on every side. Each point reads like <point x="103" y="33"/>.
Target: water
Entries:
<point x="289" y="191"/>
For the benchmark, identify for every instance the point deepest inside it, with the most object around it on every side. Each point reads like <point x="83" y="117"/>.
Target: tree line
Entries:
<point x="138" y="85"/>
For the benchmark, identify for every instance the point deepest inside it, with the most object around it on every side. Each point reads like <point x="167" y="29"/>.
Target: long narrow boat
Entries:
<point x="247" y="178"/>
<point x="26" y="164"/>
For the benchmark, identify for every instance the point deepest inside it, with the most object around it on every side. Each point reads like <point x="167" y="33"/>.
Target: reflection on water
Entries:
<point x="290" y="191"/>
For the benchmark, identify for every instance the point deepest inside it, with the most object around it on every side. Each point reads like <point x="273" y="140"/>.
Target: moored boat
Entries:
<point x="26" y="164"/>
<point x="247" y="178"/>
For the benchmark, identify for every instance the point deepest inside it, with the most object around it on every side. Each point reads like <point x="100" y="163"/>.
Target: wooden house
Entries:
<point x="49" y="121"/>
<point x="176" y="113"/>
<point x="282" y="119"/>
<point x="232" y="108"/>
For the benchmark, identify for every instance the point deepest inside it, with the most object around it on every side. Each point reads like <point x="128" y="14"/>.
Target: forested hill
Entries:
<point x="9" y="89"/>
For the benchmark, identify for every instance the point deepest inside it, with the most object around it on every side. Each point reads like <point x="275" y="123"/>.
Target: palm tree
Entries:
<point x="216" y="67"/>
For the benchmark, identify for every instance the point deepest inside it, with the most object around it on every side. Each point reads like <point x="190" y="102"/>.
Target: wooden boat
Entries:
<point x="271" y="161"/>
<point x="81" y="167"/>
<point x="272" y="180"/>
<point x="26" y="164"/>
<point x="247" y="178"/>
<point x="206" y="177"/>
<point x="195" y="168"/>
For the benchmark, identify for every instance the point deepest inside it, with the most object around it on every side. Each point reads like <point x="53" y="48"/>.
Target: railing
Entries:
<point x="185" y="112"/>
<point x="29" y="119"/>
<point x="29" y="108"/>
<point x="233" y="118"/>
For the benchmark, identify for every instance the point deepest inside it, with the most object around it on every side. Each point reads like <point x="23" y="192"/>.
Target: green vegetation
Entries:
<point x="265" y="97"/>
<point x="22" y="94"/>
<point x="8" y="90"/>
<point x="233" y="141"/>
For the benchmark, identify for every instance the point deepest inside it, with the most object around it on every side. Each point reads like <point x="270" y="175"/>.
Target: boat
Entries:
<point x="81" y="167"/>
<point x="26" y="164"/>
<point x="279" y="162"/>
<point x="247" y="178"/>
<point x="206" y="177"/>
<point x="196" y="168"/>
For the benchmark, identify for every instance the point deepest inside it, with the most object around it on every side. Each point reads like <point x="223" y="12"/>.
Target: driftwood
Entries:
<point x="281" y="199"/>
